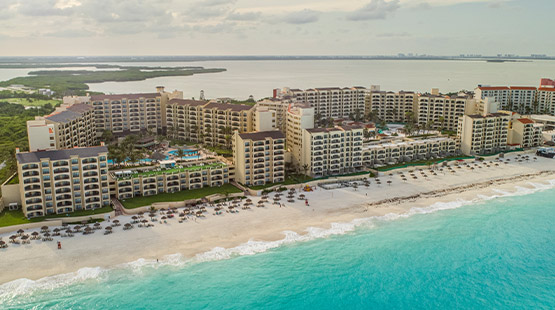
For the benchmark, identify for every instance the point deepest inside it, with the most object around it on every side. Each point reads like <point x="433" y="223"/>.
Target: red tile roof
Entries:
<point x="523" y="88"/>
<point x="526" y="121"/>
<point x="546" y="89"/>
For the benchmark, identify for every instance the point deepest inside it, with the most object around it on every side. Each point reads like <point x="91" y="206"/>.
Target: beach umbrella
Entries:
<point x="2" y="243"/>
<point x="77" y="227"/>
<point x="20" y="232"/>
<point x="44" y="228"/>
<point x="163" y="218"/>
<point x="389" y="182"/>
<point x="34" y="234"/>
<point x="116" y="221"/>
<point x="69" y="231"/>
<point x="108" y="228"/>
<point x="47" y="235"/>
<point x="248" y="200"/>
<point x="25" y="237"/>
<point x="134" y="218"/>
<point x="302" y="196"/>
<point x="88" y="228"/>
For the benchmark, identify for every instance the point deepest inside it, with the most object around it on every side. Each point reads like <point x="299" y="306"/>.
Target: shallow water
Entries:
<point x="493" y="253"/>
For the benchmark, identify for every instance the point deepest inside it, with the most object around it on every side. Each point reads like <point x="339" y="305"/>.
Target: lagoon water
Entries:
<point x="258" y="78"/>
<point x="492" y="254"/>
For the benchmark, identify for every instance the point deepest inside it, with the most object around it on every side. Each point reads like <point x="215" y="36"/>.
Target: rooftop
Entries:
<point x="228" y="106"/>
<point x="71" y="113"/>
<point x="493" y="87"/>
<point x="188" y="102"/>
<point x="35" y="157"/>
<point x="262" y="135"/>
<point x="526" y="121"/>
<point x="125" y="96"/>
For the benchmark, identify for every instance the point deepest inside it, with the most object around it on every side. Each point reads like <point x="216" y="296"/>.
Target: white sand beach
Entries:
<point x="41" y="259"/>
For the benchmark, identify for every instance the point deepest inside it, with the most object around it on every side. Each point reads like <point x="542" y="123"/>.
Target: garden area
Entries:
<point x="9" y="218"/>
<point x="142" y="201"/>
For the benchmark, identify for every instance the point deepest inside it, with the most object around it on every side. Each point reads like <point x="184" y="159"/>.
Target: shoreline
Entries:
<point x="256" y="230"/>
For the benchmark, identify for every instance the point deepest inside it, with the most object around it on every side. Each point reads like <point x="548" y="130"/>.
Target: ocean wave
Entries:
<point x="22" y="287"/>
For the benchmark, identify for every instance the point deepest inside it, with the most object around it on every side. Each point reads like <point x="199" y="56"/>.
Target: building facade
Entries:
<point x="259" y="157"/>
<point x="483" y="134"/>
<point x="67" y="127"/>
<point x="63" y="181"/>
<point x="394" y="152"/>
<point x="437" y="111"/>
<point x="299" y="118"/>
<point x="132" y="113"/>
<point x="525" y="132"/>
<point x="186" y="176"/>
<point x="331" y="151"/>
<point x="210" y="123"/>
<point x="330" y="102"/>
<point x="389" y="106"/>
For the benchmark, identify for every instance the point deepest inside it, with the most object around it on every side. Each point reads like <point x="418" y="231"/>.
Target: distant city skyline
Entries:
<point x="275" y="27"/>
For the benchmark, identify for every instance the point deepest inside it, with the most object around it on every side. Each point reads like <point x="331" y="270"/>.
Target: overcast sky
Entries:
<point x="276" y="27"/>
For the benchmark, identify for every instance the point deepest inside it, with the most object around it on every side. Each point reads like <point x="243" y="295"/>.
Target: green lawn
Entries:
<point x="31" y="101"/>
<point x="179" y="196"/>
<point x="14" y="180"/>
<point x="220" y="151"/>
<point x="291" y="179"/>
<point x="9" y="218"/>
<point x="422" y="162"/>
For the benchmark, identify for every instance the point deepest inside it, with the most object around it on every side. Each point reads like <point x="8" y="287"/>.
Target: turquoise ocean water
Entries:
<point x="494" y="254"/>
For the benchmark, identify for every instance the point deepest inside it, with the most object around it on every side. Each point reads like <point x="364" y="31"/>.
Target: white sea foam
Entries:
<point x="27" y="287"/>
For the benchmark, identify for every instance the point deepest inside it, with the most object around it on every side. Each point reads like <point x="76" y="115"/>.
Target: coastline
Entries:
<point x="252" y="231"/>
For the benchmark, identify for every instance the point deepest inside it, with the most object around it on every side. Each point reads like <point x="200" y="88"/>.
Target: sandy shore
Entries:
<point x="40" y="259"/>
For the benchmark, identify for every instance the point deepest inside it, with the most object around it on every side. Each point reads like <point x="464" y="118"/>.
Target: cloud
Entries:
<point x="495" y="5"/>
<point x="215" y="2"/>
<point x="249" y="16"/>
<point x="42" y="8"/>
<point x="301" y="17"/>
<point x="393" y="35"/>
<point x="375" y="9"/>
<point x="69" y="33"/>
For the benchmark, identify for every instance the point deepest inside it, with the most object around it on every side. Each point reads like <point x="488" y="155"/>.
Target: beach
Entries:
<point x="254" y="230"/>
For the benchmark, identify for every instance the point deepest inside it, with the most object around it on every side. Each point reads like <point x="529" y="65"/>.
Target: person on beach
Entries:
<point x="59" y="245"/>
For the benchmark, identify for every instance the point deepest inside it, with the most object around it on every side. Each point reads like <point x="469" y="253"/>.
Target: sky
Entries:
<point x="275" y="27"/>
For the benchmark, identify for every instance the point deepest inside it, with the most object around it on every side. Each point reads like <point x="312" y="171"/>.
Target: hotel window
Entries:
<point x="44" y="164"/>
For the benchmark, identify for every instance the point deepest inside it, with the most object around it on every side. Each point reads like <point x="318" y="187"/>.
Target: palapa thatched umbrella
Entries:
<point x="134" y="218"/>
<point x="108" y="228"/>
<point x="302" y="196"/>
<point x="13" y="237"/>
<point x="2" y="243"/>
<point x="35" y="234"/>
<point x="44" y="228"/>
<point x="20" y="232"/>
<point x="96" y="226"/>
<point x="389" y="182"/>
<point x="24" y="237"/>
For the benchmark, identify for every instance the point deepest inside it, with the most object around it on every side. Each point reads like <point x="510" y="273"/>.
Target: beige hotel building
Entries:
<point x="331" y="102"/>
<point x="482" y="134"/>
<point x="441" y="111"/>
<point x="68" y="126"/>
<point x="259" y="157"/>
<point x="210" y="123"/>
<point x="331" y="151"/>
<point x="389" y="106"/>
<point x="62" y="181"/>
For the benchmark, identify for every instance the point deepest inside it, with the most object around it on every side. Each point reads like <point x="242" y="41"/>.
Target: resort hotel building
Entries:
<point x="62" y="181"/>
<point x="331" y="151"/>
<point x="211" y="123"/>
<point x="407" y="150"/>
<point x="259" y="157"/>
<point x="334" y="102"/>
<point x="68" y="126"/>
<point x="169" y="177"/>
<point x="522" y="99"/>
<point x="389" y="106"/>
<point x="299" y="118"/>
<point x="440" y="111"/>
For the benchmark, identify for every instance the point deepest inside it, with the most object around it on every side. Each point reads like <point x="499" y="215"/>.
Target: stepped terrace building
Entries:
<point x="546" y="100"/>
<point x="210" y="123"/>
<point x="331" y="102"/>
<point x="67" y="127"/>
<point x="63" y="181"/>
<point x="259" y="157"/>
<point x="331" y="151"/>
<point x="376" y="154"/>
<point x="389" y="106"/>
<point x="184" y="176"/>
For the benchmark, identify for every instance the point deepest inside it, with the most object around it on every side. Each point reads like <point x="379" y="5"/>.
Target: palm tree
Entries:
<point x="442" y="122"/>
<point x="107" y="136"/>
<point x="305" y="168"/>
<point x="180" y="153"/>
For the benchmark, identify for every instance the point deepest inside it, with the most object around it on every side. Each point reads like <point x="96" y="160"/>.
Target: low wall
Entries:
<point x="56" y="222"/>
<point x="178" y="204"/>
